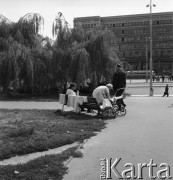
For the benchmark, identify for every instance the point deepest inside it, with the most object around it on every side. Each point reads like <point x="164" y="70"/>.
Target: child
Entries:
<point x="166" y="91"/>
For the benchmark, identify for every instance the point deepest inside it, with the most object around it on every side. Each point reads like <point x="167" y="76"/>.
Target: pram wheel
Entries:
<point x="113" y="113"/>
<point x="109" y="113"/>
<point x="106" y="112"/>
<point x="123" y="110"/>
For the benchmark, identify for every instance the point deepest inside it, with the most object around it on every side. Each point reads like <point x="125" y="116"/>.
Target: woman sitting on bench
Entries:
<point x="102" y="92"/>
<point x="71" y="90"/>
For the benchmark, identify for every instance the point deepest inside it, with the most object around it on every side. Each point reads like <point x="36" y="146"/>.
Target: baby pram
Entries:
<point x="117" y="102"/>
<point x="108" y="109"/>
<point x="116" y="108"/>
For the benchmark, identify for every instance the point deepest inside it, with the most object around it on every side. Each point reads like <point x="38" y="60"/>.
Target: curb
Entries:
<point x="148" y="96"/>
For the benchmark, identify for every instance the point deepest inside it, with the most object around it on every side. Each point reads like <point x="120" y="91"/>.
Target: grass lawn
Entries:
<point x="28" y="131"/>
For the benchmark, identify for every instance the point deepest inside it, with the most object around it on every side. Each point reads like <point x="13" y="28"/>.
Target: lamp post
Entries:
<point x="151" y="48"/>
<point x="146" y="38"/>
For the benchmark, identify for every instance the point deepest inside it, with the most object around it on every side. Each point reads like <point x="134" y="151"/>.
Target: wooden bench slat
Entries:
<point x="92" y="100"/>
<point x="93" y="107"/>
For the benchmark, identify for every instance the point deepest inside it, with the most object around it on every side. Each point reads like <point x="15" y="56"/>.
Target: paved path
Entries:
<point x="30" y="105"/>
<point x="145" y="133"/>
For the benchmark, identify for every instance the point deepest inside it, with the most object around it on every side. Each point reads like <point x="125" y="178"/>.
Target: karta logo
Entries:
<point x="110" y="169"/>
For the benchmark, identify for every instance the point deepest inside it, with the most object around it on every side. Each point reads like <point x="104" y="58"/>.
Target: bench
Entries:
<point x="92" y="104"/>
<point x="63" y="99"/>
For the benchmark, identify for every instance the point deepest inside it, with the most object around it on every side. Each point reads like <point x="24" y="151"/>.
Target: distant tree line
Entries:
<point x="31" y="63"/>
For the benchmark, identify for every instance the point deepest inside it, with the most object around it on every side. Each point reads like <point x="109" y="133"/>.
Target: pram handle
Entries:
<point x="119" y="90"/>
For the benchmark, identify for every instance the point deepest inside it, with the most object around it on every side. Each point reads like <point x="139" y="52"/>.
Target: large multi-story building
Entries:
<point x="133" y="34"/>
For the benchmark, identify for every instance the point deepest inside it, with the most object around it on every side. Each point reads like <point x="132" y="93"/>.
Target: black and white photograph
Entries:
<point x="86" y="89"/>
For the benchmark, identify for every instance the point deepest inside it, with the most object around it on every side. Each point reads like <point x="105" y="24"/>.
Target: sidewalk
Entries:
<point x="47" y="105"/>
<point x="31" y="105"/>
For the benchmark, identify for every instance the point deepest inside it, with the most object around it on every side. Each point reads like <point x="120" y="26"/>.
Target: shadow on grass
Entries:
<point x="77" y="116"/>
<point x="82" y="116"/>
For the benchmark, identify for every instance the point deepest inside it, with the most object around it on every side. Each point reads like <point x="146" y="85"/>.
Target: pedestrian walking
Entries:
<point x="166" y="91"/>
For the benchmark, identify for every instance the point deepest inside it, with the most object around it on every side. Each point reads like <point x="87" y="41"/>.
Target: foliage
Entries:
<point x="23" y="56"/>
<point x="92" y="54"/>
<point x="32" y="63"/>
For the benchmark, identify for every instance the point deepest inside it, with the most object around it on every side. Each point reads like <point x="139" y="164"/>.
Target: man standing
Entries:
<point x="119" y="81"/>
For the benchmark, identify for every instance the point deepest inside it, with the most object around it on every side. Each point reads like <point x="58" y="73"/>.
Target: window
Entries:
<point x="169" y="52"/>
<point x="156" y="53"/>
<point x="136" y="53"/>
<point x="162" y="53"/>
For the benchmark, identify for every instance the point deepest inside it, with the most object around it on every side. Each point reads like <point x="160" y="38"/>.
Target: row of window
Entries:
<point x="143" y="45"/>
<point x="156" y="53"/>
<point x="144" y="30"/>
<point x="157" y="66"/>
<point x="140" y="23"/>
<point x="133" y="31"/>
<point x="85" y="25"/>
<point x="123" y="24"/>
<point x="142" y="39"/>
<point x="88" y="25"/>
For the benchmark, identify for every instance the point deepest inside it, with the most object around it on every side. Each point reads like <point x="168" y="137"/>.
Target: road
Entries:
<point x="143" y="135"/>
<point x="141" y="87"/>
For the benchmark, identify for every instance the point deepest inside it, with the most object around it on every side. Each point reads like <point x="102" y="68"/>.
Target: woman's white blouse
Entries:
<point x="70" y="92"/>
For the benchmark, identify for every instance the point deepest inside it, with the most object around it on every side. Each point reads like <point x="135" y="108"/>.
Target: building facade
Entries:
<point x="133" y="33"/>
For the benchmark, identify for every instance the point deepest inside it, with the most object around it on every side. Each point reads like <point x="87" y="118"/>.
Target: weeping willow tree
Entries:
<point x="61" y="30"/>
<point x="80" y="55"/>
<point x="24" y="60"/>
<point x="31" y="25"/>
<point x="5" y="20"/>
<point x="13" y="57"/>
<point x="62" y="58"/>
<point x="6" y="66"/>
<point x="102" y="49"/>
<point x="79" y="68"/>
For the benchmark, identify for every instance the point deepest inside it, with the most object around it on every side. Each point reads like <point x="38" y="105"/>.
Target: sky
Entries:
<point x="48" y="9"/>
